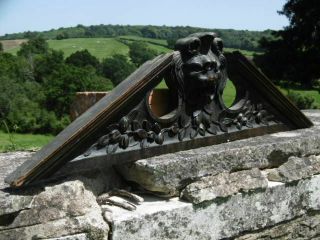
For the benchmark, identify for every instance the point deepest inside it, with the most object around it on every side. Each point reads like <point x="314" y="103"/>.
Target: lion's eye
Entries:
<point x="208" y="66"/>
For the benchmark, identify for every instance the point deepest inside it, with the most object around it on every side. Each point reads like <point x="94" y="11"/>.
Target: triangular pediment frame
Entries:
<point x="258" y="101"/>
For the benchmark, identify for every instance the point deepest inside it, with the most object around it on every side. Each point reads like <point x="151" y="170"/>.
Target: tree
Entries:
<point x="15" y="67"/>
<point x="294" y="53"/>
<point x="82" y="59"/>
<point x="63" y="35"/>
<point x="46" y="64"/>
<point x="36" y="45"/>
<point x="36" y="97"/>
<point x="1" y="47"/>
<point x="30" y="35"/>
<point x="117" y="68"/>
<point x="21" y="107"/>
<point x="171" y="42"/>
<point x="7" y="63"/>
<point x="61" y="86"/>
<point x="8" y="88"/>
<point x="139" y="53"/>
<point x="304" y="20"/>
<point x="149" y="32"/>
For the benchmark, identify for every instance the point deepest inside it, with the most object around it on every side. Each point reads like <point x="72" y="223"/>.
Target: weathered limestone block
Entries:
<point x="12" y="203"/>
<point x="224" y="185"/>
<point x="295" y="168"/>
<point x="168" y="174"/>
<point x="91" y="225"/>
<point x="241" y="213"/>
<point x="306" y="227"/>
<point x="69" y="199"/>
<point x="69" y="204"/>
<point x="53" y="210"/>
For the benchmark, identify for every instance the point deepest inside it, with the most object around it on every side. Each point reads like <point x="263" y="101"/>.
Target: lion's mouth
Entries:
<point x="211" y="79"/>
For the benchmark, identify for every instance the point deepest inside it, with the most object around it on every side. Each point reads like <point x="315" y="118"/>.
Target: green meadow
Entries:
<point x="107" y="47"/>
<point x="99" y="47"/>
<point x="15" y="141"/>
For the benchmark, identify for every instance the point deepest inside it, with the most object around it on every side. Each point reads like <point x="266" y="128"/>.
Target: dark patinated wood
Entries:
<point x="79" y="134"/>
<point x="125" y="125"/>
<point x="250" y="82"/>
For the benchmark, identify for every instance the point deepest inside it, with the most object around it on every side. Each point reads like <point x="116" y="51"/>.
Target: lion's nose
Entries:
<point x="212" y="76"/>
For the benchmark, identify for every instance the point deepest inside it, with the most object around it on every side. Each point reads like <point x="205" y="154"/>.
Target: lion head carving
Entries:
<point x="199" y="71"/>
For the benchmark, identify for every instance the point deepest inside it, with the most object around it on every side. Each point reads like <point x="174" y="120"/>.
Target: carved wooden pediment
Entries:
<point x="137" y="121"/>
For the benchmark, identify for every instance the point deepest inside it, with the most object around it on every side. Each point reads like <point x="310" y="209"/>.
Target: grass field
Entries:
<point x="315" y="94"/>
<point x="15" y="142"/>
<point x="103" y="47"/>
<point x="99" y="47"/>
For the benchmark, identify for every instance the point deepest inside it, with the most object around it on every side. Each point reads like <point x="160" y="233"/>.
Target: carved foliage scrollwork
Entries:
<point x="197" y="77"/>
<point x="135" y="130"/>
<point x="250" y="115"/>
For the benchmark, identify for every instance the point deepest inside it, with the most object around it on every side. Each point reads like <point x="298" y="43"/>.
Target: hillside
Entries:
<point x="101" y="47"/>
<point x="240" y="39"/>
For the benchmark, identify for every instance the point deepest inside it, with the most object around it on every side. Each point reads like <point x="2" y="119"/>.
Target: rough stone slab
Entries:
<point x="174" y="219"/>
<point x="295" y="168"/>
<point x="69" y="199"/>
<point x="224" y="185"/>
<point x="10" y="161"/>
<point x="92" y="224"/>
<point x="57" y="210"/>
<point x="14" y="201"/>
<point x="306" y="227"/>
<point x="11" y="203"/>
<point x="168" y="174"/>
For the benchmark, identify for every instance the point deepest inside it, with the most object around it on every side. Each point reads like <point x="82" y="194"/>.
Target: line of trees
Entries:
<point x="242" y="39"/>
<point x="38" y="85"/>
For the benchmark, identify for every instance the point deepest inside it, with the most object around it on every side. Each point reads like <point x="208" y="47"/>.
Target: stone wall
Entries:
<point x="265" y="187"/>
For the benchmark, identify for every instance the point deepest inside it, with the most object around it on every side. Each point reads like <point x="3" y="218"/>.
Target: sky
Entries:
<point x="39" y="15"/>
